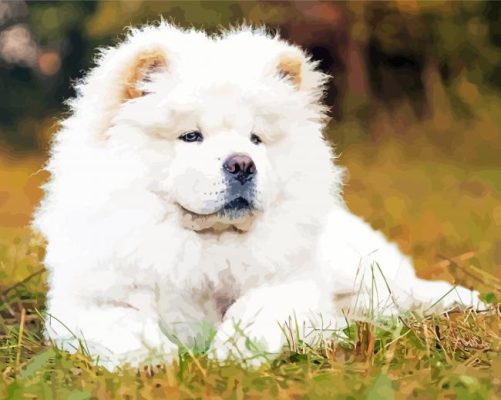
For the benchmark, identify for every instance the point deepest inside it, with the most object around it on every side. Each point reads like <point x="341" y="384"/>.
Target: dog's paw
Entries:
<point x="254" y="344"/>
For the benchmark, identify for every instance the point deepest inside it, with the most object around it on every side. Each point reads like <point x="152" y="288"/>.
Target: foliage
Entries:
<point x="382" y="55"/>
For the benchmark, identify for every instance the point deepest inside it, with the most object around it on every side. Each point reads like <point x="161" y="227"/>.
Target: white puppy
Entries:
<point x="191" y="186"/>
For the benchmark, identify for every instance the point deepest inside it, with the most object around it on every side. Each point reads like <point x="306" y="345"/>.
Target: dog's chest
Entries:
<point x="215" y="296"/>
<point x="214" y="303"/>
<point x="222" y="301"/>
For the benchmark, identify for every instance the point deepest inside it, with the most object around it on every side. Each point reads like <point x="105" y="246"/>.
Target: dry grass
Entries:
<point x="442" y="209"/>
<point x="451" y="355"/>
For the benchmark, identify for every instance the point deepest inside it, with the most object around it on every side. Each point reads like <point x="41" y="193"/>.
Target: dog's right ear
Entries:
<point x="125" y="72"/>
<point x="140" y="70"/>
<point x="121" y="75"/>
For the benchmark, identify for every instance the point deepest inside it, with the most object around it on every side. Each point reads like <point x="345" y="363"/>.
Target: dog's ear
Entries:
<point x="290" y="67"/>
<point x="140" y="71"/>
<point x="296" y="67"/>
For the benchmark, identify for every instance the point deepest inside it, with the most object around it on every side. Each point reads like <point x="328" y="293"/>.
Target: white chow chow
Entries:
<point x="191" y="187"/>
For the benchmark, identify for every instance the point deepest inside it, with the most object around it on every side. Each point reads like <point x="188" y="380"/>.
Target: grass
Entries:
<point x="454" y="355"/>
<point x="443" y="209"/>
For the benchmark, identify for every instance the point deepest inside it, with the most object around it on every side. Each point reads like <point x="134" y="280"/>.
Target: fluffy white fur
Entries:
<point x="138" y="257"/>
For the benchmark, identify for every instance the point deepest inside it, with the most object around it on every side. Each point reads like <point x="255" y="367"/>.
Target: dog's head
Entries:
<point x="225" y="126"/>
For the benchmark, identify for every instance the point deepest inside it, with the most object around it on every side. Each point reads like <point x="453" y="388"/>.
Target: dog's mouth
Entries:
<point x="232" y="209"/>
<point x="236" y="206"/>
<point x="237" y="213"/>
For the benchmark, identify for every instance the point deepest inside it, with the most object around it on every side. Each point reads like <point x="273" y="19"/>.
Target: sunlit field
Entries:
<point x="429" y="178"/>
<point x="446" y="214"/>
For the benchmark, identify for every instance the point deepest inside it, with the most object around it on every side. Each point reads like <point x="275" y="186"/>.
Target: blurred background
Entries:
<point x="415" y="105"/>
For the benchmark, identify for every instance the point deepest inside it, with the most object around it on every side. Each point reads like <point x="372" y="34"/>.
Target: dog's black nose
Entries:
<point x="241" y="167"/>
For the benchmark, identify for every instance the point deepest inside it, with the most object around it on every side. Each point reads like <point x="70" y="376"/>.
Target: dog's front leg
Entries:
<point x="114" y="333"/>
<point x="258" y="324"/>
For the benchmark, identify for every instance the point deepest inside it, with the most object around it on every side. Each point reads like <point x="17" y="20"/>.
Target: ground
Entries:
<point x="455" y="355"/>
<point x="445" y="213"/>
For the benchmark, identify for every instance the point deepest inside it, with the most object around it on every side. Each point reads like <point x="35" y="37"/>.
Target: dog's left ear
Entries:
<point x="290" y="67"/>
<point x="296" y="67"/>
<point x="140" y="72"/>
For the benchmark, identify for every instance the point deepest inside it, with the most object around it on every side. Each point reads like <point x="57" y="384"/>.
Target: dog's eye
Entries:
<point x="255" y="139"/>
<point x="191" y="136"/>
